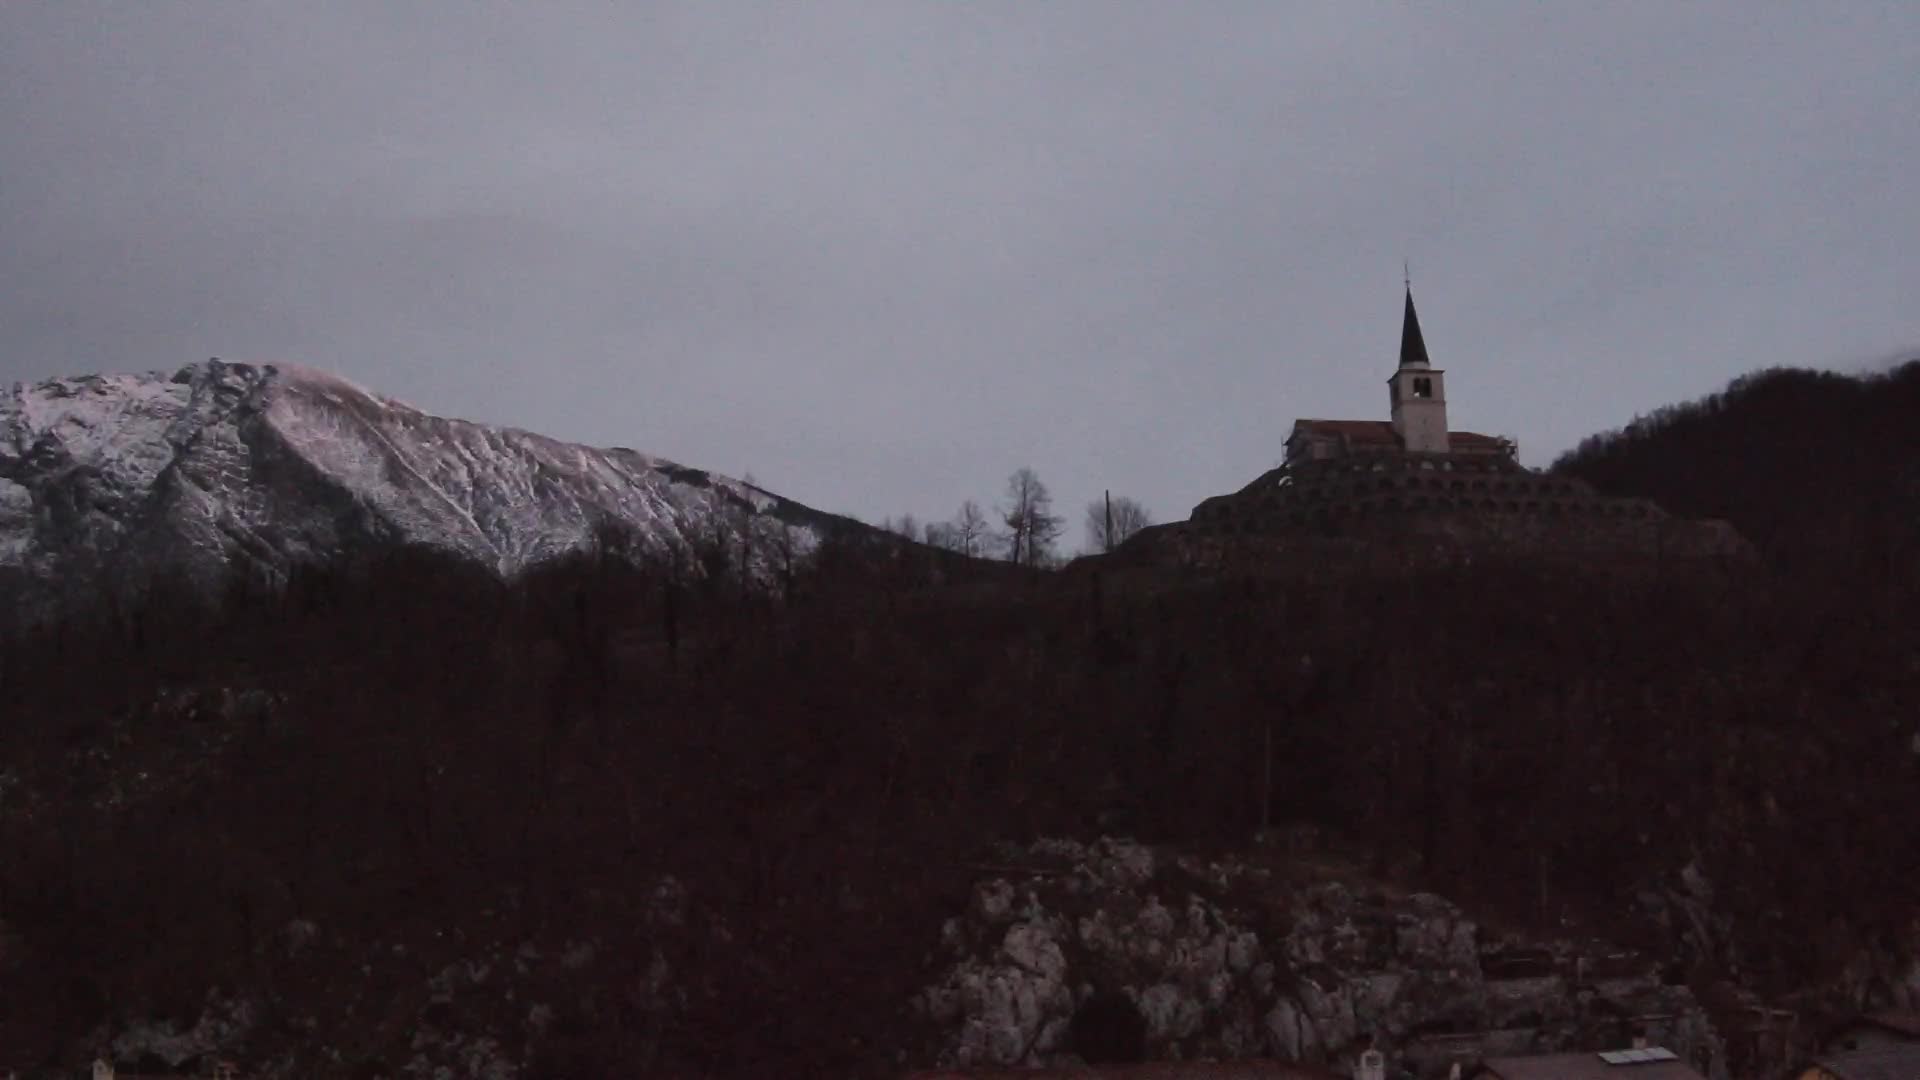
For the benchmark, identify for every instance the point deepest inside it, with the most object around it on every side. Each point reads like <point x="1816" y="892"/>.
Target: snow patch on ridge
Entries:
<point x="221" y="463"/>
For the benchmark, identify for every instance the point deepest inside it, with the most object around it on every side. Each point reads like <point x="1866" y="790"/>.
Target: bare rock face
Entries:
<point x="220" y="467"/>
<point x="216" y="1033"/>
<point x="1220" y="960"/>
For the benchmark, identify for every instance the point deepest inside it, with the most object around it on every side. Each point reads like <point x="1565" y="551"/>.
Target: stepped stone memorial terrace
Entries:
<point x="1414" y="469"/>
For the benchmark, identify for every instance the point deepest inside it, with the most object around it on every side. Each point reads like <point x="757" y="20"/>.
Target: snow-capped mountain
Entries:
<point x="222" y="466"/>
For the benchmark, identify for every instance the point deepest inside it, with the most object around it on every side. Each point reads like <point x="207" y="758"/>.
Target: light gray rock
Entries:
<point x="1032" y="947"/>
<point x="298" y="935"/>
<point x="1170" y="1012"/>
<point x="220" y="1029"/>
<point x="1155" y="919"/>
<point x="1288" y="1030"/>
<point x="1350" y="968"/>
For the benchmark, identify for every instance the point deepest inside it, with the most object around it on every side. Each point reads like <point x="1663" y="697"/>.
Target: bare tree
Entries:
<point x="1032" y="527"/>
<point x="1110" y="522"/>
<point x="968" y="529"/>
<point x="786" y="546"/>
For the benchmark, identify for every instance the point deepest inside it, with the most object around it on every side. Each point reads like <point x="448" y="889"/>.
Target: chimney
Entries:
<point x="1640" y="1042"/>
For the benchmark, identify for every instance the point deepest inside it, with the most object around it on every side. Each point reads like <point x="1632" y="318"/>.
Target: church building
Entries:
<point x="1417" y="405"/>
<point x="1340" y="472"/>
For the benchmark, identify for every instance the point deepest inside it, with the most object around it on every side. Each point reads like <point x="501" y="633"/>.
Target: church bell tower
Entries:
<point x="1419" y="392"/>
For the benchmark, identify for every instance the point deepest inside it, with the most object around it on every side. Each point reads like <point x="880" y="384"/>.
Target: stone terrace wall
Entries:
<point x="1398" y="544"/>
<point x="1452" y="499"/>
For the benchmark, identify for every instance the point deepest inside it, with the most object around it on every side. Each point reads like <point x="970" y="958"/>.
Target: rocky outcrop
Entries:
<point x="220" y="1028"/>
<point x="1231" y="959"/>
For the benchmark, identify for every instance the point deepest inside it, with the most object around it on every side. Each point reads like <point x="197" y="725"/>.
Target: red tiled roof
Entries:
<point x="1473" y="438"/>
<point x="1360" y="431"/>
<point x="1381" y="433"/>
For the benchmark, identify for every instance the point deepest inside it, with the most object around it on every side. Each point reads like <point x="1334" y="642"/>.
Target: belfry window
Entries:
<point x="1422" y="387"/>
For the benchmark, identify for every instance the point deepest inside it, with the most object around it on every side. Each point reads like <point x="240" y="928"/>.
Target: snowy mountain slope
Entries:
<point x="107" y="478"/>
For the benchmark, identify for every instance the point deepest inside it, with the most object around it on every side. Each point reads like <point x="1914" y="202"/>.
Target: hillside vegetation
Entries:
<point x="409" y="755"/>
<point x="1813" y="466"/>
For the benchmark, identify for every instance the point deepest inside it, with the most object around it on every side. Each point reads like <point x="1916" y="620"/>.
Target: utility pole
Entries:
<point x="1108" y="538"/>
<point x="1266" y="775"/>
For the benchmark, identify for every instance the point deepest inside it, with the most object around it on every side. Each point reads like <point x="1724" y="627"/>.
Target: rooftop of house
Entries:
<point x="1902" y="1021"/>
<point x="1900" y="1024"/>
<point x="1613" y="1065"/>
<point x="1886" y="1063"/>
<point x="1155" y="1070"/>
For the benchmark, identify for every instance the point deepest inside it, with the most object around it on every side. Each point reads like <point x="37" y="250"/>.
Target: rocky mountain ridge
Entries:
<point x="107" y="479"/>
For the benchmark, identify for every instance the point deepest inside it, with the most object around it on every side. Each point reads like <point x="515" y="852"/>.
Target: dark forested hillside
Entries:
<point x="321" y="799"/>
<point x="1810" y="465"/>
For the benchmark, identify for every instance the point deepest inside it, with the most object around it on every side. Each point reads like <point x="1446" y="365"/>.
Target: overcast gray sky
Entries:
<point x="880" y="254"/>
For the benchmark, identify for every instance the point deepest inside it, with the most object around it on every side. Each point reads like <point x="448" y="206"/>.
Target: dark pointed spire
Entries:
<point x="1413" y="347"/>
